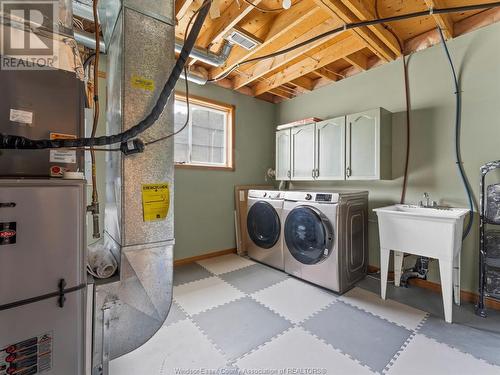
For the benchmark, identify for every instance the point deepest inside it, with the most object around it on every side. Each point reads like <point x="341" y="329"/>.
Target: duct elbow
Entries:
<point x="88" y="40"/>
<point x="207" y="56"/>
<point x="199" y="79"/>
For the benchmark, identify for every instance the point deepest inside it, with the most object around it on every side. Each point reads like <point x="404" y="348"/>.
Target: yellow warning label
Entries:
<point x="143" y="83"/>
<point x="155" y="201"/>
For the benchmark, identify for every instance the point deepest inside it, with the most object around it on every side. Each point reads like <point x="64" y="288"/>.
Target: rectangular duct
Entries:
<point x="131" y="308"/>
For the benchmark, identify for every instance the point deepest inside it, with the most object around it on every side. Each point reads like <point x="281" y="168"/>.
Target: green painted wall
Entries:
<point x="432" y="164"/>
<point x="204" y="199"/>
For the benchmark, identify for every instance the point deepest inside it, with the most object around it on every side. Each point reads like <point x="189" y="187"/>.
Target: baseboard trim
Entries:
<point x="436" y="288"/>
<point x="180" y="262"/>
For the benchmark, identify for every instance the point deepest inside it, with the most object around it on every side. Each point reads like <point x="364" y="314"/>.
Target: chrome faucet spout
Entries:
<point x="427" y="202"/>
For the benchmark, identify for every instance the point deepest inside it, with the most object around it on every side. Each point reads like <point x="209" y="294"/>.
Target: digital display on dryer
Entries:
<point x="323" y="197"/>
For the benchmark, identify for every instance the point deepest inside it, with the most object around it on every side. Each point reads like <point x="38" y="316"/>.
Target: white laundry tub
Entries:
<point x="430" y="232"/>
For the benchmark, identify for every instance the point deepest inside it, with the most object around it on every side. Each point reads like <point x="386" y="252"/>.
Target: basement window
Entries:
<point x="207" y="141"/>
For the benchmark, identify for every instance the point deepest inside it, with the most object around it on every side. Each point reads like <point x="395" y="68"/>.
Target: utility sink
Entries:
<point x="434" y="232"/>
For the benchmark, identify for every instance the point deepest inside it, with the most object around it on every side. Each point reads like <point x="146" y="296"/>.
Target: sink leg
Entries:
<point x="456" y="278"/>
<point x="398" y="266"/>
<point x="384" y="269"/>
<point x="446" y="272"/>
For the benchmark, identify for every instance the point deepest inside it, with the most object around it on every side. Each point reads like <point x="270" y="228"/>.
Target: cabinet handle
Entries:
<point x="348" y="172"/>
<point x="317" y="173"/>
<point x="289" y="174"/>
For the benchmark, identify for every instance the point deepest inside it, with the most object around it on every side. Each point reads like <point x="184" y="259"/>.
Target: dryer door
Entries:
<point x="308" y="235"/>
<point x="263" y="225"/>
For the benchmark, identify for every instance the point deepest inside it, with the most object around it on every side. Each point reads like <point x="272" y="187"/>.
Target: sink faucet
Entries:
<point x="428" y="203"/>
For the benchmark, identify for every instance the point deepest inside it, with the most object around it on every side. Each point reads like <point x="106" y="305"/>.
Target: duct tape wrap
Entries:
<point x="101" y="261"/>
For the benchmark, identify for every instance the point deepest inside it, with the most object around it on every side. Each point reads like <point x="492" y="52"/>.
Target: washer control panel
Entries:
<point x="320" y="197"/>
<point x="311" y="197"/>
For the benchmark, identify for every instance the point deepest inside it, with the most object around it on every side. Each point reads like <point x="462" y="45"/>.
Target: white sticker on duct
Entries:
<point x="20" y="116"/>
<point x="58" y="156"/>
<point x="62" y="156"/>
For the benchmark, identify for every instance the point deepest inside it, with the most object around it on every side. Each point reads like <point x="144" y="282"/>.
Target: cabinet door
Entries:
<point x="303" y="149"/>
<point x="363" y="146"/>
<point x="283" y="154"/>
<point x="330" y="149"/>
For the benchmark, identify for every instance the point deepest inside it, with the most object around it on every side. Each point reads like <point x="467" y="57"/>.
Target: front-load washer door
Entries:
<point x="263" y="225"/>
<point x="308" y="235"/>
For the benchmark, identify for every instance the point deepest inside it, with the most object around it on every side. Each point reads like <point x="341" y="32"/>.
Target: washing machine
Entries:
<point x="326" y="237"/>
<point x="264" y="227"/>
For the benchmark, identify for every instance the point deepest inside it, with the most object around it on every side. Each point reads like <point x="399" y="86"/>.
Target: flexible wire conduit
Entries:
<point x="17" y="142"/>
<point x="458" y="123"/>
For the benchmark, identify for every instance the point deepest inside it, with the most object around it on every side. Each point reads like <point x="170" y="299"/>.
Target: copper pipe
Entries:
<point x="94" y="208"/>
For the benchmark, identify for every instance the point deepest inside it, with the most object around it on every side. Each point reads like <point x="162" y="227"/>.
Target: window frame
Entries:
<point x="230" y="133"/>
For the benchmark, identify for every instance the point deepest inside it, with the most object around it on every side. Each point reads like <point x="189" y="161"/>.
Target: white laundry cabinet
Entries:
<point x="283" y="171"/>
<point x="352" y="147"/>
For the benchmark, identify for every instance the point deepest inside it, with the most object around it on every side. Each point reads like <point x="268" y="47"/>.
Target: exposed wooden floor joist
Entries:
<point x="324" y="61"/>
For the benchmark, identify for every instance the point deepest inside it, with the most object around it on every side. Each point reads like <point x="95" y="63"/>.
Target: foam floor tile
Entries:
<point x="367" y="338"/>
<point x="480" y="343"/>
<point x="393" y="311"/>
<point x="189" y="272"/>
<point x="426" y="356"/>
<point x="180" y="346"/>
<point x="240" y="326"/>
<point x="225" y="263"/>
<point x="205" y="294"/>
<point x="294" y="299"/>
<point x="298" y="350"/>
<point x="174" y="315"/>
<point x="253" y="278"/>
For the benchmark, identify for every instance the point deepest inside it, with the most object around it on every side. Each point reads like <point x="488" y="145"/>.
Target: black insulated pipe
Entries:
<point x="16" y="142"/>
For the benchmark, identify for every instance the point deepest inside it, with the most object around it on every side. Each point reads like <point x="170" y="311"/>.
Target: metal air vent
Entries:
<point x="242" y="39"/>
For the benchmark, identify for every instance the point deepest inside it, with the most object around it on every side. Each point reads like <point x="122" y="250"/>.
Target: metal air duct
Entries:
<point x="85" y="11"/>
<point x="88" y="40"/>
<point x="129" y="309"/>
<point x="195" y="78"/>
<point x="206" y="56"/>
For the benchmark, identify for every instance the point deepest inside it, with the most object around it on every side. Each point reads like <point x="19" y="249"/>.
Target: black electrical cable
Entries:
<point x="186" y="123"/>
<point x="355" y="25"/>
<point x="186" y="83"/>
<point x="458" y="122"/>
<point x="18" y="142"/>
<point x="88" y="60"/>
<point x="85" y="64"/>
